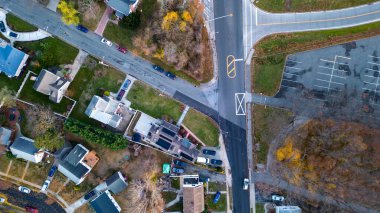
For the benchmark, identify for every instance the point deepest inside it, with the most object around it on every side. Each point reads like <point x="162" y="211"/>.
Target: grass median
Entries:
<point x="18" y="24"/>
<point x="278" y="6"/>
<point x="271" y="52"/>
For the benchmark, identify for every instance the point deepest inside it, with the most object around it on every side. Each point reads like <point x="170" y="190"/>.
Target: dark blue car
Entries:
<point x="179" y="163"/>
<point x="216" y="197"/>
<point x="82" y="28"/>
<point x="158" y="68"/>
<point x="89" y="195"/>
<point x="52" y="171"/>
<point x="216" y="162"/>
<point x="170" y="75"/>
<point x="2" y="27"/>
<point x="209" y="152"/>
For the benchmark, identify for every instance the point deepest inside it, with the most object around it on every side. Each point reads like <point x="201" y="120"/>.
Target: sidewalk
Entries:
<point x="103" y="21"/>
<point x="223" y="156"/>
<point x="78" y="61"/>
<point x="53" y="4"/>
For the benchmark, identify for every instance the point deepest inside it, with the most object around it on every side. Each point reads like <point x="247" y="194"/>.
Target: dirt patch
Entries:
<point x="338" y="159"/>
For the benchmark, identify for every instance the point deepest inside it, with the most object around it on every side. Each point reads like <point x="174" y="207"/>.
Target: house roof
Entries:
<point x="25" y="148"/>
<point x="116" y="183"/>
<point x="288" y="209"/>
<point x="105" y="203"/>
<point x="50" y="84"/>
<point x="121" y="6"/>
<point x="74" y="172"/>
<point x="5" y="135"/>
<point x="103" y="110"/>
<point x="76" y="155"/>
<point x="144" y="124"/>
<point x="11" y="59"/>
<point x="71" y="165"/>
<point x="193" y="199"/>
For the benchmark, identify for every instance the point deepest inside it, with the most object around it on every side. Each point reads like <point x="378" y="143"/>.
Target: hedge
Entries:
<point x="92" y="134"/>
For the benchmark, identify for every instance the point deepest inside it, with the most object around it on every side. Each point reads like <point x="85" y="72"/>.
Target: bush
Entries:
<point x="96" y="135"/>
<point x="10" y="156"/>
<point x="132" y="21"/>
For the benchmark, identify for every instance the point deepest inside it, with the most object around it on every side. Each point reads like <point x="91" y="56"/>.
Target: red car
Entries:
<point x="31" y="209"/>
<point x="122" y="49"/>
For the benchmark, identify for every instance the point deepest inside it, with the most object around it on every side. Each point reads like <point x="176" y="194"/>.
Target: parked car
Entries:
<point x="89" y="195"/>
<point x="122" y="49"/>
<point x="82" y="28"/>
<point x="31" y="209"/>
<point x="217" y="197"/>
<point x="203" y="160"/>
<point x="177" y="170"/>
<point x="52" y="171"/>
<point x="278" y="198"/>
<point x="13" y="34"/>
<point x="159" y="69"/>
<point x="120" y="95"/>
<point x="204" y="179"/>
<point x="216" y="162"/>
<point x="245" y="183"/>
<point x="46" y="185"/>
<point x="105" y="41"/>
<point x="24" y="189"/>
<point x="209" y="152"/>
<point x="2" y="27"/>
<point x="2" y="200"/>
<point x="179" y="163"/>
<point x="170" y="75"/>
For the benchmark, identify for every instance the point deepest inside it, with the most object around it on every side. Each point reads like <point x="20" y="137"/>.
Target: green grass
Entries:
<point x="260" y="208"/>
<point x="308" y="5"/>
<point x="148" y="100"/>
<point x="49" y="52"/>
<point x="268" y="122"/>
<point x="18" y="24"/>
<point x="178" y="207"/>
<point x="214" y="187"/>
<point x="37" y="173"/>
<point x="12" y="83"/>
<point x="17" y="167"/>
<point x="30" y="95"/>
<point x="270" y="52"/>
<point x="119" y="35"/>
<point x="218" y="207"/>
<point x="175" y="183"/>
<point x="4" y="161"/>
<point x="87" y="83"/>
<point x="203" y="127"/>
<point x="168" y="196"/>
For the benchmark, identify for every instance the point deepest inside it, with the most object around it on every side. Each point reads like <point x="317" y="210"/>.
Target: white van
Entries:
<point x="203" y="160"/>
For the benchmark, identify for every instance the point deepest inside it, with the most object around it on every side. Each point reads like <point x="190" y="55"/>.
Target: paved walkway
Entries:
<point x="81" y="201"/>
<point x="183" y="115"/>
<point x="25" y="170"/>
<point x="81" y="57"/>
<point x="173" y="202"/>
<point x="22" y="36"/>
<point x="53" y="4"/>
<point x="103" y="21"/>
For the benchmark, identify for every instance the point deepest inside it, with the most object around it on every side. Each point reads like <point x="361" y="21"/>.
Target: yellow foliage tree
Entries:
<point x="160" y="54"/>
<point x="286" y="152"/>
<point x="182" y="26"/>
<point x="69" y="14"/>
<point x="169" y="19"/>
<point x="186" y="16"/>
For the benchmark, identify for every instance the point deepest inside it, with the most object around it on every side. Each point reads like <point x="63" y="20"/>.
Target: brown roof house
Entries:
<point x="52" y="85"/>
<point x="193" y="194"/>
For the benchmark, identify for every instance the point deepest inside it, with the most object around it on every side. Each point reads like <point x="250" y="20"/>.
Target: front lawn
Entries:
<point x="17" y="168"/>
<point x="71" y="192"/>
<point x="268" y="67"/>
<point x="18" y="24"/>
<point x="277" y="6"/>
<point x="149" y="101"/>
<point x="214" y="187"/>
<point x="4" y="162"/>
<point x="12" y="83"/>
<point x="89" y="82"/>
<point x="38" y="172"/>
<point x="221" y="206"/>
<point x="203" y="127"/>
<point x="49" y="52"/>
<point x="119" y="35"/>
<point x="168" y="196"/>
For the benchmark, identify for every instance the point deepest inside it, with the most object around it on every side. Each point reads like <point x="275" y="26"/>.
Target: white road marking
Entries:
<point x="290" y="80"/>
<point x="372" y="69"/>
<point x="330" y="82"/>
<point x="300" y="62"/>
<point x="373" y="56"/>
<point x="373" y="63"/>
<point x="296" y="68"/>
<point x="240" y="103"/>
<point x="291" y="73"/>
<point x="331" y="75"/>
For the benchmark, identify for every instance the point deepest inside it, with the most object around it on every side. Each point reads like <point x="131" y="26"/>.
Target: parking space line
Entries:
<point x="370" y="76"/>
<point x="373" y="56"/>
<point x="288" y="86"/>
<point x="296" y="68"/>
<point x="342" y="57"/>
<point x="320" y="86"/>
<point x="373" y="63"/>
<point x="325" y="67"/>
<point x="372" y="69"/>
<point x="332" y="75"/>
<point x="370" y="83"/>
<point x="330" y="82"/>
<point x="291" y="80"/>
<point x="300" y="62"/>
<point x="291" y="73"/>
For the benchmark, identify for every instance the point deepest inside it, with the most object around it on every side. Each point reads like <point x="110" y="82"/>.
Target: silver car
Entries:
<point x="24" y="189"/>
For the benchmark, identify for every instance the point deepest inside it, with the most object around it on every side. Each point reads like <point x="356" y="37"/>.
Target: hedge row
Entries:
<point x="96" y="135"/>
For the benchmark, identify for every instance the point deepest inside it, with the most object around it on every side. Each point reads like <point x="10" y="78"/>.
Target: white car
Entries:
<point x="203" y="160"/>
<point x="105" y="41"/>
<point x="24" y="189"/>
<point x="2" y="200"/>
<point x="245" y="183"/>
<point x="46" y="185"/>
<point x="278" y="198"/>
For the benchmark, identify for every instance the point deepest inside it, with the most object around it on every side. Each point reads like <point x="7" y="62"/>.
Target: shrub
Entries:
<point x="10" y="156"/>
<point x="92" y="134"/>
<point x="132" y="21"/>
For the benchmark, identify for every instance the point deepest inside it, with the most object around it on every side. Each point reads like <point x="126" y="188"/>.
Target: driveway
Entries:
<point x="22" y="36"/>
<point x="214" y="176"/>
<point x="37" y="200"/>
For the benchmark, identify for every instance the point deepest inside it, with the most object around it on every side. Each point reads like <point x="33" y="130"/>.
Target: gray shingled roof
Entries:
<point x="5" y="135"/>
<point x="25" y="145"/>
<point x="103" y="204"/>
<point x="76" y="155"/>
<point x="116" y="183"/>
<point x="78" y="171"/>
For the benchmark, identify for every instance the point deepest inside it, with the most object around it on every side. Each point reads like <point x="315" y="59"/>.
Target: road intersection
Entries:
<point x="236" y="36"/>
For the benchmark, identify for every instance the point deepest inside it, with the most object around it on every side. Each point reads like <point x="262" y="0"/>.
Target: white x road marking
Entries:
<point x="240" y="103"/>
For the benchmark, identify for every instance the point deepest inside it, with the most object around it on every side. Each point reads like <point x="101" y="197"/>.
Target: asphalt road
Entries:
<point x="37" y="200"/>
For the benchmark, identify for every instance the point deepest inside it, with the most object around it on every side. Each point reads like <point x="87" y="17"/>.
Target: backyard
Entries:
<point x="18" y="24"/>
<point x="267" y="67"/>
<point x="277" y="6"/>
<point x="220" y="206"/>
